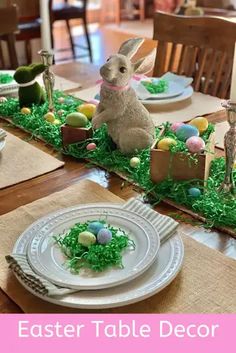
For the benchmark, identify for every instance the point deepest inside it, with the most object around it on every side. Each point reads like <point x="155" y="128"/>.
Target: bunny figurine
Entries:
<point x="129" y="123"/>
<point x="30" y="91"/>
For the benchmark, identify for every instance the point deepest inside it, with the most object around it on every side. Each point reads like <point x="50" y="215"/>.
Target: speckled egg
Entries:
<point x="166" y="143"/>
<point x="76" y="120"/>
<point x="195" y="144"/>
<point x="86" y="238"/>
<point x="194" y="192"/>
<point x="50" y="117"/>
<point x="95" y="227"/>
<point x="87" y="109"/>
<point x="3" y="99"/>
<point x="186" y="131"/>
<point x="94" y="101"/>
<point x="61" y="100"/>
<point x="175" y="126"/>
<point x="25" y="111"/>
<point x="104" y="236"/>
<point x="60" y="112"/>
<point x="134" y="162"/>
<point x="91" y="146"/>
<point x="200" y="123"/>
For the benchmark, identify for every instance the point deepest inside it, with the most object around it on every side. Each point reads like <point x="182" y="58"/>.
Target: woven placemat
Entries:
<point x="206" y="283"/>
<point x="20" y="161"/>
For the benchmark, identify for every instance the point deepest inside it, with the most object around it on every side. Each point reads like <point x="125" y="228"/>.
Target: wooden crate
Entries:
<point x="178" y="165"/>
<point x="75" y="134"/>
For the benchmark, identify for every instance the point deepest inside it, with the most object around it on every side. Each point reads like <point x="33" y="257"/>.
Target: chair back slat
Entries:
<point x="200" y="47"/>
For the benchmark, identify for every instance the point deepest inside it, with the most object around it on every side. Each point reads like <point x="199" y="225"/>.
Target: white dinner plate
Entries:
<point x="174" y="89"/>
<point x="162" y="272"/>
<point x="2" y="144"/>
<point x="47" y="260"/>
<point x="187" y="93"/>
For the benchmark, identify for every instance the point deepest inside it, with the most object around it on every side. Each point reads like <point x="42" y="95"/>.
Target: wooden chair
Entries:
<point x="199" y="47"/>
<point x="117" y="10"/>
<point x="65" y="12"/>
<point x="8" y="26"/>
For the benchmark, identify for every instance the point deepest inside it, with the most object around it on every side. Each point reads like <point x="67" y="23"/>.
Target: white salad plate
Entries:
<point x="162" y="272"/>
<point x="48" y="261"/>
<point x="174" y="89"/>
<point x="187" y="93"/>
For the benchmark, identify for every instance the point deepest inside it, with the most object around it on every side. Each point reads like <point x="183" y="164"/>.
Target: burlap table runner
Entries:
<point x="206" y="283"/>
<point x="20" y="161"/>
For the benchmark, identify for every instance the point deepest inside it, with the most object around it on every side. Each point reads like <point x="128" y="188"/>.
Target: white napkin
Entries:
<point x="19" y="264"/>
<point x="2" y="134"/>
<point x="144" y="94"/>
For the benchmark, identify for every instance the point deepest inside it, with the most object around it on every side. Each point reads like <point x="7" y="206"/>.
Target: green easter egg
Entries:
<point x="76" y="120"/>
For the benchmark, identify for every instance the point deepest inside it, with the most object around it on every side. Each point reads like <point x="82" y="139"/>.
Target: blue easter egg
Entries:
<point x="97" y="97"/>
<point x="95" y="227"/>
<point x="104" y="236"/>
<point x="69" y="101"/>
<point x="184" y="132"/>
<point x="194" y="192"/>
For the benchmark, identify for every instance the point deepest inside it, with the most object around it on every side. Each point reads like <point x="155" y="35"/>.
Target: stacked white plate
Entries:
<point x="176" y="91"/>
<point x="149" y="268"/>
<point x="2" y="139"/>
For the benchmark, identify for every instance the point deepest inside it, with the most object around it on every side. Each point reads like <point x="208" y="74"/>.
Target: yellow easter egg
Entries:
<point x="56" y="122"/>
<point x="200" y="123"/>
<point x="88" y="109"/>
<point x="50" y="117"/>
<point x="234" y="165"/>
<point x="166" y="143"/>
<point x="25" y="110"/>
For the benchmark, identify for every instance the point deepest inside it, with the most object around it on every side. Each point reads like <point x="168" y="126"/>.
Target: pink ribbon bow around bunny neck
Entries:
<point x="120" y="88"/>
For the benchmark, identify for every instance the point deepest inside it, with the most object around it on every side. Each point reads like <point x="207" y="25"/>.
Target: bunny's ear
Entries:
<point x="37" y="69"/>
<point x="146" y="64"/>
<point x="130" y="47"/>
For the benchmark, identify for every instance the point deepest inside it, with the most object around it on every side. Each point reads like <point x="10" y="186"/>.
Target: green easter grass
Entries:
<point x="218" y="209"/>
<point x="5" y="78"/>
<point x="155" y="88"/>
<point x="96" y="257"/>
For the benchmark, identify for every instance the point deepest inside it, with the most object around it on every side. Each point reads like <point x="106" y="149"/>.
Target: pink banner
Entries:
<point x="103" y="333"/>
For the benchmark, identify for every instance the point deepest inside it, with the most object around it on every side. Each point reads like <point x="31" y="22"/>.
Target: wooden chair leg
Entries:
<point x="2" y="57"/>
<point x="12" y="50"/>
<point x="28" y="52"/>
<point x="142" y="10"/>
<point x="71" y="38"/>
<point x="88" y="39"/>
<point x="118" y="12"/>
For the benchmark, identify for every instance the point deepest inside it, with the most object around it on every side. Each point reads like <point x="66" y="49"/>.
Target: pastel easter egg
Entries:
<point x="94" y="101"/>
<point x="200" y="123"/>
<point x="25" y="111"/>
<point x="95" y="227"/>
<point x="56" y="122"/>
<point x="234" y="165"/>
<point x="186" y="131"/>
<point x="69" y="101"/>
<point x="195" y="144"/>
<point x="86" y="238"/>
<point x="87" y="109"/>
<point x="91" y="146"/>
<point x="104" y="236"/>
<point x="3" y="99"/>
<point x="97" y="97"/>
<point x="134" y="162"/>
<point x="49" y="117"/>
<point x="166" y="143"/>
<point x="175" y="126"/>
<point x="76" y="120"/>
<point x="194" y="192"/>
<point x="61" y="100"/>
<point x="60" y="112"/>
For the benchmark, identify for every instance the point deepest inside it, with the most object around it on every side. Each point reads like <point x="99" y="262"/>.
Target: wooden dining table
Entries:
<point x="76" y="170"/>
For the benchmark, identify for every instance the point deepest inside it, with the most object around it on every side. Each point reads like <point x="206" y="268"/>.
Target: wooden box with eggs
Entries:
<point x="183" y="151"/>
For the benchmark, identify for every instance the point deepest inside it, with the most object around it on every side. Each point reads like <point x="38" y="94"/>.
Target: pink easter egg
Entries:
<point x="94" y="101"/>
<point x="3" y="99"/>
<point x="91" y="146"/>
<point x="175" y="126"/>
<point x="195" y="144"/>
